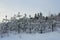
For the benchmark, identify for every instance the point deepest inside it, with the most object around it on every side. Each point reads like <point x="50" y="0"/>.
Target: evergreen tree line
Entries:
<point x="36" y="24"/>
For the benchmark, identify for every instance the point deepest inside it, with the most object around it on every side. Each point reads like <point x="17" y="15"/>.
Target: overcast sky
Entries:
<point x="11" y="7"/>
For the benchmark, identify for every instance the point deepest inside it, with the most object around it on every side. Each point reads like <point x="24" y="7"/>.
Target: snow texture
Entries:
<point x="23" y="36"/>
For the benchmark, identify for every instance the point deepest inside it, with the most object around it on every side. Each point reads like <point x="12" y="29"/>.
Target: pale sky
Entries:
<point x="11" y="7"/>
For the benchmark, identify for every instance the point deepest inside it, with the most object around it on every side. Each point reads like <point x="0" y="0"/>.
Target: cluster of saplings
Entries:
<point x="36" y="24"/>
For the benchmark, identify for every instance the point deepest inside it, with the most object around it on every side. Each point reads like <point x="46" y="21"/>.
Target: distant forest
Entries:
<point x="36" y="24"/>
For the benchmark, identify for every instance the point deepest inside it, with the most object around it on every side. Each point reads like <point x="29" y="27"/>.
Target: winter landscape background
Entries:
<point x="29" y="19"/>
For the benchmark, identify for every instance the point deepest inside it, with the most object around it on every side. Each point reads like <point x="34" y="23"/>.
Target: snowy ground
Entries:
<point x="45" y="36"/>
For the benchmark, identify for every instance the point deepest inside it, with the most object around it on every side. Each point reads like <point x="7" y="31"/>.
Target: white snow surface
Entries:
<point x="23" y="36"/>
